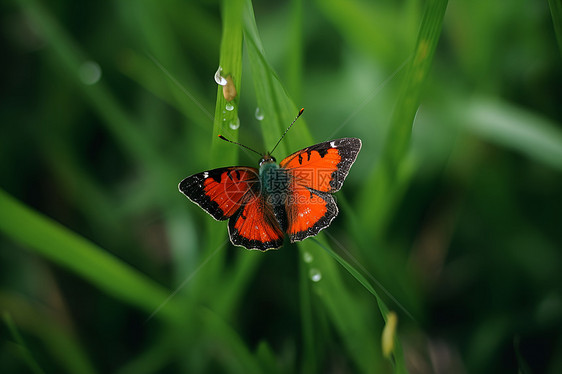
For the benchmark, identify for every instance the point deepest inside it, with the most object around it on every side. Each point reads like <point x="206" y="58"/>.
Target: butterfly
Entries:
<point x="292" y="197"/>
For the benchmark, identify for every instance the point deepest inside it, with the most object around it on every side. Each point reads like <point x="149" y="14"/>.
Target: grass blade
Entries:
<point x="231" y="64"/>
<point x="309" y="361"/>
<point x="556" y="11"/>
<point x="345" y="311"/>
<point x="20" y="344"/>
<point x="400" y="364"/>
<point x="356" y="274"/>
<point x="278" y="110"/>
<point x="67" y="249"/>
<point x="294" y="59"/>
<point x="239" y="359"/>
<point x="516" y="128"/>
<point x="54" y="335"/>
<point x="386" y="177"/>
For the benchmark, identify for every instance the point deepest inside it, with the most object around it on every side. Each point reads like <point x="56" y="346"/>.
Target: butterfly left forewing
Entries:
<point x="323" y="166"/>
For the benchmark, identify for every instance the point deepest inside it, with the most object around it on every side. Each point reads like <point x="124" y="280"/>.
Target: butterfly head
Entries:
<point x="267" y="158"/>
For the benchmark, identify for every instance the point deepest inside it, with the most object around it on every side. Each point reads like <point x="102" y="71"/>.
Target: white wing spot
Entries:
<point x="333" y="144"/>
<point x="205" y="174"/>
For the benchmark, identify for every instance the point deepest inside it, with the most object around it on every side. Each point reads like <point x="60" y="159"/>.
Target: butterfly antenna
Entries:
<point x="282" y="136"/>
<point x="239" y="144"/>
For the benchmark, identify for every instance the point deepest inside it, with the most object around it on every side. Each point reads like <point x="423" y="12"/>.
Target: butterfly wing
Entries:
<point x="316" y="172"/>
<point x="221" y="192"/>
<point x="323" y="166"/>
<point x="255" y="226"/>
<point x="308" y="212"/>
<point x="234" y="192"/>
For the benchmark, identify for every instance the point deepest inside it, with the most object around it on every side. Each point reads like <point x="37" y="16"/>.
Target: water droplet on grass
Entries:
<point x="219" y="78"/>
<point x="259" y="114"/>
<point x="89" y="72"/>
<point x="229" y="107"/>
<point x="307" y="257"/>
<point x="234" y="124"/>
<point x="315" y="275"/>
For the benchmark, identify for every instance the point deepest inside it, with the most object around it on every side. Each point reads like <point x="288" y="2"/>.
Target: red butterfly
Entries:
<point x="292" y="197"/>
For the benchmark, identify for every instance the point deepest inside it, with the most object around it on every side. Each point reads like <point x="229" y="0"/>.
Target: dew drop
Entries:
<point x="315" y="275"/>
<point x="219" y="78"/>
<point x="259" y="114"/>
<point x="229" y="107"/>
<point x="307" y="257"/>
<point x="235" y="124"/>
<point x="89" y="72"/>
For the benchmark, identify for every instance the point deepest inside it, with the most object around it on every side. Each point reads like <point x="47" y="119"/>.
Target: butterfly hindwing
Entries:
<point x="323" y="166"/>
<point x="308" y="212"/>
<point x="221" y="192"/>
<point x="255" y="226"/>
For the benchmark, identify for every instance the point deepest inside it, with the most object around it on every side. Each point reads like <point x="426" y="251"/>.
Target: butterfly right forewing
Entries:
<point x="221" y="192"/>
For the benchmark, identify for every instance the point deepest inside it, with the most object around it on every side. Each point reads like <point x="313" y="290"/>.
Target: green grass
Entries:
<point x="20" y="346"/>
<point x="449" y="218"/>
<point x="556" y="11"/>
<point x="71" y="251"/>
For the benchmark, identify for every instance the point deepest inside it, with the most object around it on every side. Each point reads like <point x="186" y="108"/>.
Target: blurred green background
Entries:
<point x="452" y="211"/>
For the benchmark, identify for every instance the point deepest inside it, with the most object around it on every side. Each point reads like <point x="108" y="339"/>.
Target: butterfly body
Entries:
<point x="272" y="177"/>
<point x="292" y="197"/>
